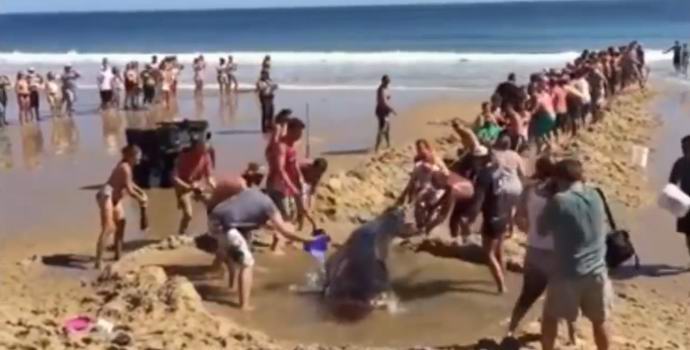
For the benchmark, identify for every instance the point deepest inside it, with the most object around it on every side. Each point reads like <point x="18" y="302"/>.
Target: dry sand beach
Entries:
<point x="162" y="297"/>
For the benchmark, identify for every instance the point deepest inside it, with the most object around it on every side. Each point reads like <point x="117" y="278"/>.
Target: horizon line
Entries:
<point x="298" y="7"/>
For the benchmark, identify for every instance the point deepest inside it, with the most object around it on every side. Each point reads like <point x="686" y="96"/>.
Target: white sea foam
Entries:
<point x="310" y="58"/>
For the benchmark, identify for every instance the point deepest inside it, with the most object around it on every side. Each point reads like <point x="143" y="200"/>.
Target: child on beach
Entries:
<point x="312" y="172"/>
<point x="109" y="199"/>
<point x="253" y="175"/>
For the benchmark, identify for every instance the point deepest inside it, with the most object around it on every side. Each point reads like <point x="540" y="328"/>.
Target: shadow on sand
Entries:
<point x="71" y="261"/>
<point x="347" y="152"/>
<point x="661" y="270"/>
<point x="238" y="132"/>
<point x="508" y="343"/>
<point x="470" y="252"/>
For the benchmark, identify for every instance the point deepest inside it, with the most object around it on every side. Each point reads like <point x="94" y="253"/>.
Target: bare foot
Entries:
<point x="278" y="252"/>
<point x="247" y="308"/>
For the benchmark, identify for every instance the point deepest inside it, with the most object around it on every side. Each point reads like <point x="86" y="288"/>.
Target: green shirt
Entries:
<point x="575" y="218"/>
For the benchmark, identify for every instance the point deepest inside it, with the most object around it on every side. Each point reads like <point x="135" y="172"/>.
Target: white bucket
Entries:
<point x="674" y="200"/>
<point x="640" y="156"/>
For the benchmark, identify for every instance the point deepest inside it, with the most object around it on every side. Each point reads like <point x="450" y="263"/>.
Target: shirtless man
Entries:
<point x="598" y="87"/>
<point x="109" y="199"/>
<point x="579" y="99"/>
<point x="560" y="104"/>
<point x="543" y="114"/>
<point x="194" y="167"/>
<point x="23" y="98"/>
<point x="69" y="88"/>
<point x="677" y="52"/>
<point x="383" y="112"/>
<point x="284" y="180"/>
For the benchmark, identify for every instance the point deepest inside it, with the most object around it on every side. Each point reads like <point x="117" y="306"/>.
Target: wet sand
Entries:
<point x="49" y="169"/>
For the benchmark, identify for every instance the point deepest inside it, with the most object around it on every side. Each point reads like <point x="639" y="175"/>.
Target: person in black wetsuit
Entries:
<point x="677" y="49"/>
<point x="680" y="176"/>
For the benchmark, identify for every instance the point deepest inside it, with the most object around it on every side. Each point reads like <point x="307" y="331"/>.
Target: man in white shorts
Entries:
<point x="230" y="222"/>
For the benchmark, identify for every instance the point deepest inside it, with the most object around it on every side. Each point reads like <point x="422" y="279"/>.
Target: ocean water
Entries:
<point x="422" y="46"/>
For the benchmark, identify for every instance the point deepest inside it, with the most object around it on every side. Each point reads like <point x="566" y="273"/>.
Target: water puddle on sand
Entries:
<point x="440" y="301"/>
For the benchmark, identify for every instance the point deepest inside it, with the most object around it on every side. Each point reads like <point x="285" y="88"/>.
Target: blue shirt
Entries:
<point x="576" y="219"/>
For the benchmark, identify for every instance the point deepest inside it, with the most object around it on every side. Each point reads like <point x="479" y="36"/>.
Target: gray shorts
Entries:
<point x="232" y="245"/>
<point x="566" y="297"/>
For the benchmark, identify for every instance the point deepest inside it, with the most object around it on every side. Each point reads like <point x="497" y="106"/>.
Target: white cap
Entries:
<point x="480" y="151"/>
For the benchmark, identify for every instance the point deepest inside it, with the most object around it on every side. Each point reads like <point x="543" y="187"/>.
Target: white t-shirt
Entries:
<point x="105" y="79"/>
<point x="535" y="207"/>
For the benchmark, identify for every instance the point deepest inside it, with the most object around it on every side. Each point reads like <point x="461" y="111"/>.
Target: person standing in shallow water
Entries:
<point x="383" y="112"/>
<point x="266" y="89"/>
<point x="677" y="52"/>
<point x="680" y="176"/>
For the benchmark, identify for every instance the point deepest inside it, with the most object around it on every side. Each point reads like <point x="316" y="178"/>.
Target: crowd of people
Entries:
<point x="60" y="93"/>
<point x="235" y="205"/>
<point x="681" y="58"/>
<point x="135" y="87"/>
<point x="564" y="218"/>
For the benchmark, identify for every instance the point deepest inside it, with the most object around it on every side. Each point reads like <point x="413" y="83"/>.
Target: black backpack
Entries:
<point x="619" y="246"/>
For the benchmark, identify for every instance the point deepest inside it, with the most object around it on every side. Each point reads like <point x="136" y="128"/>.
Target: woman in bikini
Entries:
<point x="109" y="199"/>
<point x="23" y="98"/>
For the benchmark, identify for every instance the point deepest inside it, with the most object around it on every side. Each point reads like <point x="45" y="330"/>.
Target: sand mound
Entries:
<point x="606" y="149"/>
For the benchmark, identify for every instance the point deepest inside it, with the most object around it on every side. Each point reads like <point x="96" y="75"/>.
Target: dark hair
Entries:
<point x="569" y="170"/>
<point x="685" y="144"/>
<point x="385" y="78"/>
<point x="130" y="150"/>
<point x="503" y="143"/>
<point x="294" y="124"/>
<point x="320" y="164"/>
<point x="283" y="116"/>
<point x="511" y="77"/>
<point x="543" y="168"/>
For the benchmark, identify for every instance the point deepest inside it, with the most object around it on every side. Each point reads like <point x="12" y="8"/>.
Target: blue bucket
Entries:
<point x="319" y="245"/>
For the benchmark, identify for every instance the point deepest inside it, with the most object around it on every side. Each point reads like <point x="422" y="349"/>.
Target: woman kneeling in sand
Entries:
<point x="109" y="199"/>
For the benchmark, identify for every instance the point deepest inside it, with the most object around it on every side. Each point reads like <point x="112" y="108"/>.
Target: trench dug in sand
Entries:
<point x="441" y="301"/>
